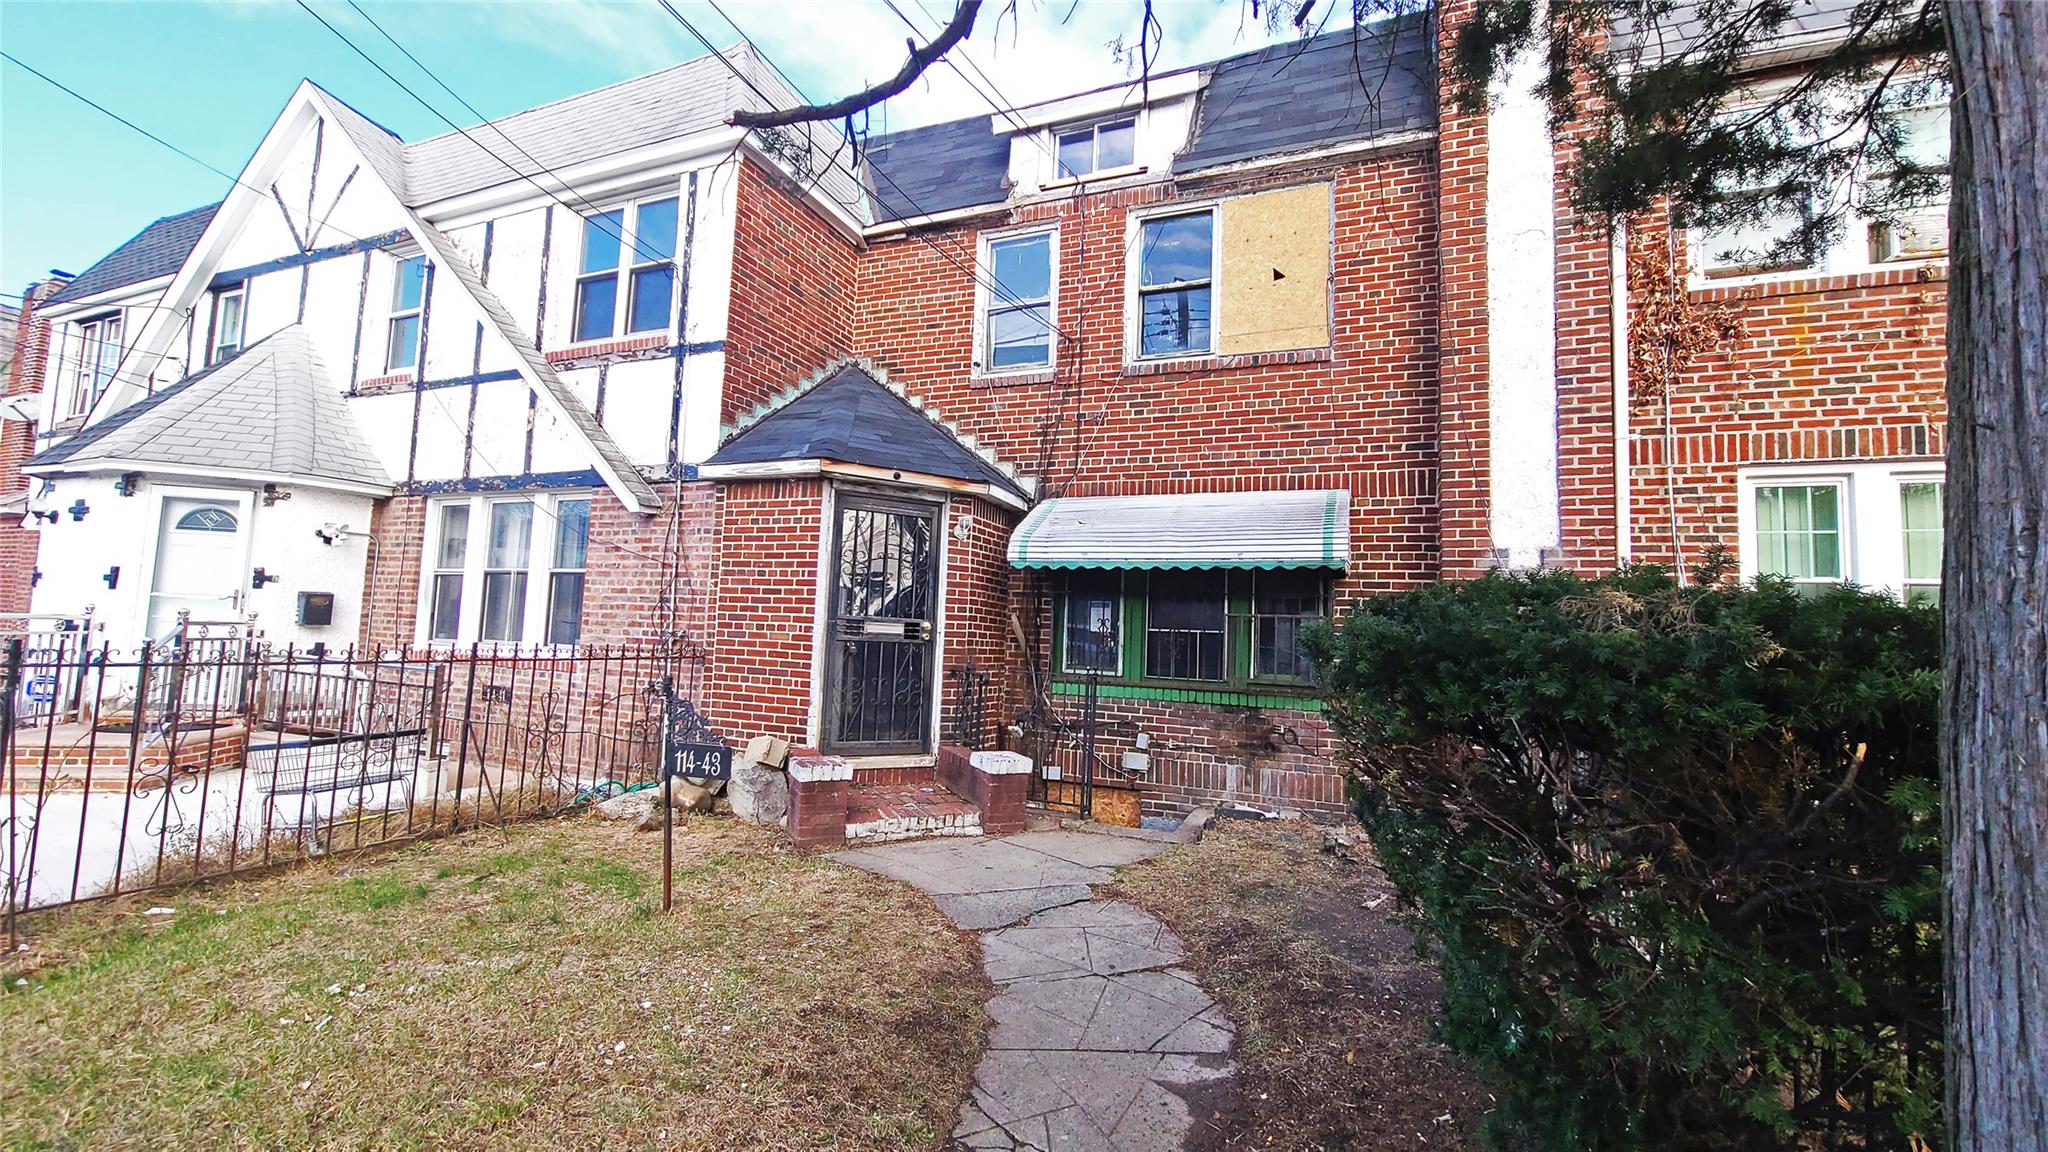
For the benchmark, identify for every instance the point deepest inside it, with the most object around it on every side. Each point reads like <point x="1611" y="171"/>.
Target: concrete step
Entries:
<point x="881" y="812"/>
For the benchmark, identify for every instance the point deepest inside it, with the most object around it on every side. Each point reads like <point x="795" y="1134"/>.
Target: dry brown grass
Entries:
<point x="520" y="991"/>
<point x="1333" y="1007"/>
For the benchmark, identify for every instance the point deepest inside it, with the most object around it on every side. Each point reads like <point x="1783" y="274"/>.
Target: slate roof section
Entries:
<point x="271" y="410"/>
<point x="1810" y="27"/>
<point x="157" y="250"/>
<point x="937" y="168"/>
<point x="852" y="418"/>
<point x="1289" y="97"/>
<point x="1334" y="89"/>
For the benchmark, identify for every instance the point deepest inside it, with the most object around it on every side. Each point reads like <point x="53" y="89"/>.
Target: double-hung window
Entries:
<point x="98" y="359"/>
<point x="1187" y="616"/>
<point x="1913" y="192"/>
<point x="1016" y="327"/>
<point x="1284" y="603"/>
<point x="1097" y="148"/>
<point x="408" y="300"/>
<point x="1765" y="221"/>
<point x="626" y="279"/>
<point x="507" y="570"/>
<point x="1920" y="510"/>
<point x="1799" y="533"/>
<point x="228" y="315"/>
<point x="1176" y="272"/>
<point x="565" y="579"/>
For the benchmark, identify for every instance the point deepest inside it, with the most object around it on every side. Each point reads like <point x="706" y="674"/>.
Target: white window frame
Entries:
<point x="1134" y="240"/>
<point x="622" y="273"/>
<point x="984" y="300"/>
<point x="1872" y="522"/>
<point x="240" y="294"/>
<point x="1907" y="582"/>
<point x="396" y="314"/>
<point x="539" y="569"/>
<point x="87" y="377"/>
<point x="1056" y="176"/>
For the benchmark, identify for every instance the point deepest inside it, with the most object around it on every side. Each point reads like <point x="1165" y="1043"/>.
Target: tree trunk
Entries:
<point x="1995" y="581"/>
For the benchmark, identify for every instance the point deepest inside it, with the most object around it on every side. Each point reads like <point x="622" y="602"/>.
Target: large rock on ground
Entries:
<point x="630" y="805"/>
<point x="758" y="795"/>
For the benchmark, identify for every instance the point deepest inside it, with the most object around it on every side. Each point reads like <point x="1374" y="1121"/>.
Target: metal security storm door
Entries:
<point x="884" y="600"/>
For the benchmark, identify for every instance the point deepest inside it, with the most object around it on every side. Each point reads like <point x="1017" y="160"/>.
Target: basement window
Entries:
<point x="408" y="303"/>
<point x="615" y="294"/>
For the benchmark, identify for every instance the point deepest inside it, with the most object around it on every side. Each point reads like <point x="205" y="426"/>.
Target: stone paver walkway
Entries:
<point x="1102" y="1042"/>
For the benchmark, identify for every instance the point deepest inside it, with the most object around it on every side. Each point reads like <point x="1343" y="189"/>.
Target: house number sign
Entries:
<point x="692" y="749"/>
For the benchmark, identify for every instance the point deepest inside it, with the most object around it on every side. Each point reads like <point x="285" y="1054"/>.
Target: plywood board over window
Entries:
<point x="1276" y="271"/>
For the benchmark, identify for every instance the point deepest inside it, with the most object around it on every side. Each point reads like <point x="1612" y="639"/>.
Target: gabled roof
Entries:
<point x="1338" y="88"/>
<point x="270" y="411"/>
<point x="850" y="417"/>
<point x="155" y="251"/>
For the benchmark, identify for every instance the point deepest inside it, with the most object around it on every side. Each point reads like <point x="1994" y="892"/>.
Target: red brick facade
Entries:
<point x="18" y="543"/>
<point x="793" y="292"/>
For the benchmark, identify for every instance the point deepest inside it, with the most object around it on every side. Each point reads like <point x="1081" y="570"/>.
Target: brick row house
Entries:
<point x="1061" y="417"/>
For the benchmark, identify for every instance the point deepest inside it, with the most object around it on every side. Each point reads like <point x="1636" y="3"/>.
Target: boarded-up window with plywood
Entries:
<point x="1276" y="271"/>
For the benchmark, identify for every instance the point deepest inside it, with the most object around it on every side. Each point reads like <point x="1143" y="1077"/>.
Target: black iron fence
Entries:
<point x="214" y="754"/>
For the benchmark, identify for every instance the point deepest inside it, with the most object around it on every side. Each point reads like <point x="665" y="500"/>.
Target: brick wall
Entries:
<point x="764" y="618"/>
<point x="1831" y="368"/>
<point x="18" y="543"/>
<point x="977" y="626"/>
<point x="793" y="284"/>
<point x="1463" y="527"/>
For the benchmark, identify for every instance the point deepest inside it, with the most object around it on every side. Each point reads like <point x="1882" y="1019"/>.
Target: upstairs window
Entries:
<point x="97" y="357"/>
<point x="1176" y="269"/>
<point x="228" y="309"/>
<point x="626" y="279"/>
<point x="1097" y="148"/>
<point x="408" y="299"/>
<point x="1915" y="191"/>
<point x="1799" y="533"/>
<point x="1016" y="327"/>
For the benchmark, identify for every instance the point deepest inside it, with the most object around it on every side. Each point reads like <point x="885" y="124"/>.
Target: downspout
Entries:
<point x="1618" y="342"/>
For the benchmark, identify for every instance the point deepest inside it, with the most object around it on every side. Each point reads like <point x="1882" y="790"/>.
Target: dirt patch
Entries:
<point x="1333" y="1007"/>
<point x="501" y="991"/>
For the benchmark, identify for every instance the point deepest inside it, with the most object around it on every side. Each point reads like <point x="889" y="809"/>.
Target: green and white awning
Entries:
<point x="1199" y="530"/>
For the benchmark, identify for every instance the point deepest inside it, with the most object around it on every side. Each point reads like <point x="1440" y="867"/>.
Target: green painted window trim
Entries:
<point x="1241" y="688"/>
<point x="1175" y="694"/>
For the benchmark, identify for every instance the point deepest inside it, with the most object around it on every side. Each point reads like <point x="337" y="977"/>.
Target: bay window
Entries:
<point x="625" y="281"/>
<point x="506" y="569"/>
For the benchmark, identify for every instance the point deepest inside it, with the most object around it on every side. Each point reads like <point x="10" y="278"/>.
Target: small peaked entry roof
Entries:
<point x="268" y="413"/>
<point x="1197" y="530"/>
<point x="155" y="251"/>
<point x="850" y="417"/>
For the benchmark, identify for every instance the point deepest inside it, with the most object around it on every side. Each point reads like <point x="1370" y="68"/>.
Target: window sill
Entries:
<point x="1217" y="362"/>
<point x="389" y="383"/>
<point x="1012" y="379"/>
<point x="1096" y="177"/>
<point x="609" y="346"/>
<point x="1204" y="692"/>
<point x="1808" y="281"/>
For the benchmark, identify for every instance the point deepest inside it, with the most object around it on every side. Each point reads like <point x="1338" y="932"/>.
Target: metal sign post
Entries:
<point x="689" y="748"/>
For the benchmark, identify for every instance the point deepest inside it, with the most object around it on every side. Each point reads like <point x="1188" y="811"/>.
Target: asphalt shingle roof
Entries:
<point x="157" y="250"/>
<point x="851" y="418"/>
<point x="271" y="410"/>
<point x="1332" y="89"/>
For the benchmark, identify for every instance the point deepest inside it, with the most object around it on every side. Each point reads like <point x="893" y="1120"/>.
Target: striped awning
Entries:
<point x="1201" y="530"/>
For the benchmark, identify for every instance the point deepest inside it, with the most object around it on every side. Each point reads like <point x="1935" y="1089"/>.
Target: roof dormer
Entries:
<point x="1111" y="133"/>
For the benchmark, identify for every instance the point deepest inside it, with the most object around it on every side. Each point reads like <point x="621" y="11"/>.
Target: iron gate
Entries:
<point x="883" y="613"/>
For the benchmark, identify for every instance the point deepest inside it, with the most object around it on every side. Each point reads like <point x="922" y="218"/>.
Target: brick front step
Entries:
<point x="880" y="812"/>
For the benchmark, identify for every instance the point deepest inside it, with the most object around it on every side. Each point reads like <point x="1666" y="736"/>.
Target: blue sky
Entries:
<point x="210" y="76"/>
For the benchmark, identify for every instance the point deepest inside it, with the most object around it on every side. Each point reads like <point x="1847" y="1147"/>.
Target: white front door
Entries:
<point x="199" y="551"/>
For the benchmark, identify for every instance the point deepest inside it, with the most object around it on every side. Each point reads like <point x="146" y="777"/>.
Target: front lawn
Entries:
<point x="1334" y="1009"/>
<point x="485" y="991"/>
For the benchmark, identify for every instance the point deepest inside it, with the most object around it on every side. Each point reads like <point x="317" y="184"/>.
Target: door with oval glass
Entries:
<point x="199" y="551"/>
<point x="881" y="630"/>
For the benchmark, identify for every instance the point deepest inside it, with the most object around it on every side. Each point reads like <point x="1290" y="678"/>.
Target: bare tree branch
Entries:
<point x="920" y="59"/>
